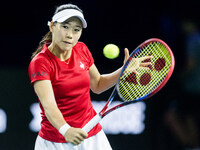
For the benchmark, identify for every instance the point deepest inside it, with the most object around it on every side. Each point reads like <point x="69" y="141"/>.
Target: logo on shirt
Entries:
<point x="82" y="65"/>
<point x="42" y="73"/>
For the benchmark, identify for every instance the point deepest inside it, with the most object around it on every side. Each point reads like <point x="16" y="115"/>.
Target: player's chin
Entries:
<point x="66" y="48"/>
<point x="69" y="47"/>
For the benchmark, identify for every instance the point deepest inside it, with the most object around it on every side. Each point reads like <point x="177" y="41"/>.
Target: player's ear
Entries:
<point x="51" y="26"/>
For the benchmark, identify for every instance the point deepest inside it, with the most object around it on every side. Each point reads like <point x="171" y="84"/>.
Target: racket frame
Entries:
<point x="104" y="111"/>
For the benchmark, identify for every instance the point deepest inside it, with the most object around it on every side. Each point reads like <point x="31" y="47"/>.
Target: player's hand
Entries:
<point x="137" y="63"/>
<point x="75" y="135"/>
<point x="126" y="54"/>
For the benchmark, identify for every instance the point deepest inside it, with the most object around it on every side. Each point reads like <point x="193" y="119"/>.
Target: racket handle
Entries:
<point x="93" y="122"/>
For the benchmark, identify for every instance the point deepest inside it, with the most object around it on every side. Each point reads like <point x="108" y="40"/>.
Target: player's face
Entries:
<point x="65" y="35"/>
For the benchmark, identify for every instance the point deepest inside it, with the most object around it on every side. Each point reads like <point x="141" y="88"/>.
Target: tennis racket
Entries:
<point x="136" y="85"/>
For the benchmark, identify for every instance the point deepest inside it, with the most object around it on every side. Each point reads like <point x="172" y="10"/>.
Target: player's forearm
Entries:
<point x="44" y="92"/>
<point x="54" y="116"/>
<point x="107" y="81"/>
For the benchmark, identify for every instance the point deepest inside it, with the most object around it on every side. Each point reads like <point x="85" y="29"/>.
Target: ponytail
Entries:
<point x="47" y="37"/>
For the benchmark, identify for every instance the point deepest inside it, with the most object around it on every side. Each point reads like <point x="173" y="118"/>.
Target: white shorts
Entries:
<point x="96" y="142"/>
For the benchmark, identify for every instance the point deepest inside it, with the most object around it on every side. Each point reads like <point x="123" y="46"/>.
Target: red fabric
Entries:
<point x="71" y="86"/>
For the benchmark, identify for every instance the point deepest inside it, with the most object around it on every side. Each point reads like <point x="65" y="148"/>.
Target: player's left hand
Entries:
<point x="126" y="55"/>
<point x="138" y="63"/>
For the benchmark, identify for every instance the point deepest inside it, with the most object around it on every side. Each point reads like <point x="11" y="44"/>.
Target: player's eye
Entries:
<point x="77" y="30"/>
<point x="65" y="26"/>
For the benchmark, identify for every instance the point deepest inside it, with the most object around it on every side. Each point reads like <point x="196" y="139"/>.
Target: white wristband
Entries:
<point x="64" y="129"/>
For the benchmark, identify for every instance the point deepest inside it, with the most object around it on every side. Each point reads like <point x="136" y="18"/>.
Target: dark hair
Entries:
<point x="48" y="36"/>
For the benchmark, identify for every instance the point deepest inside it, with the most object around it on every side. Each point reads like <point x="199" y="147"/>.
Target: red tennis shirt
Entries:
<point x="71" y="85"/>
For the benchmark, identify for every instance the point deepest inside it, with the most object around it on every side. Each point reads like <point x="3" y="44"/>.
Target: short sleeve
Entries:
<point x="39" y="69"/>
<point x="88" y="55"/>
<point x="91" y="59"/>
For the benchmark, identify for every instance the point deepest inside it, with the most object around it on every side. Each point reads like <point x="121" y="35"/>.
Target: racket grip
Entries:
<point x="93" y="122"/>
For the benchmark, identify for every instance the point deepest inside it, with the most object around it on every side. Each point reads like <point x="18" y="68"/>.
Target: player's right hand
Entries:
<point x="75" y="135"/>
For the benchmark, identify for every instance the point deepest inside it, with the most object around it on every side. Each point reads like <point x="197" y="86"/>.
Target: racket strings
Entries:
<point x="160" y="51"/>
<point x="133" y="86"/>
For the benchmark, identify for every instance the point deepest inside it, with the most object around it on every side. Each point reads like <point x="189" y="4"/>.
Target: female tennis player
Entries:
<point x="62" y="72"/>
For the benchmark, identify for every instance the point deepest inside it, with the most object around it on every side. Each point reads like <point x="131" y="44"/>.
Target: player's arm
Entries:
<point x="44" y="91"/>
<point x="100" y="83"/>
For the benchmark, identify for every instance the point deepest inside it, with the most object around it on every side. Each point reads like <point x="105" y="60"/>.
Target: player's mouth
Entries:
<point x="66" y="42"/>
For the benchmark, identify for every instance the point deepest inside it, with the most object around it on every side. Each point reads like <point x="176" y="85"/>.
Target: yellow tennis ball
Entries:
<point x="111" y="51"/>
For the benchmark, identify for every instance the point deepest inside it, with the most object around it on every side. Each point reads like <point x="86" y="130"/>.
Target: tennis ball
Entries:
<point x="111" y="51"/>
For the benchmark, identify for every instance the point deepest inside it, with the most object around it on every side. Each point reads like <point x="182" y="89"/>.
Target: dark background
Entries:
<point x="124" y="23"/>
